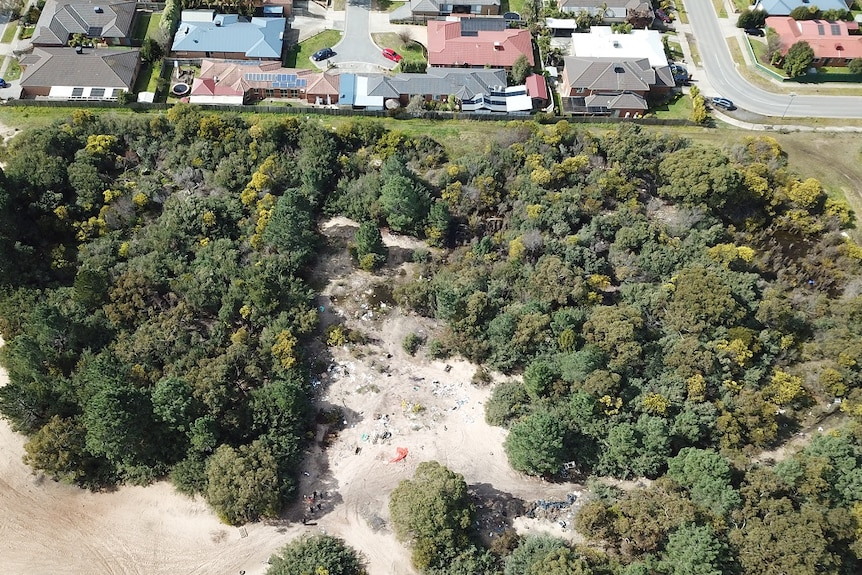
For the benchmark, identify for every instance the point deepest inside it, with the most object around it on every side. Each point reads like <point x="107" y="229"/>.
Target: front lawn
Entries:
<point x="146" y="25"/>
<point x="411" y="51"/>
<point x="759" y="49"/>
<point x="300" y="55"/>
<point x="13" y="72"/>
<point x="829" y="74"/>
<point x="27" y="32"/>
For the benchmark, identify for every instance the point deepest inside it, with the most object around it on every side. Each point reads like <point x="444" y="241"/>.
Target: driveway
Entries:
<point x="725" y="79"/>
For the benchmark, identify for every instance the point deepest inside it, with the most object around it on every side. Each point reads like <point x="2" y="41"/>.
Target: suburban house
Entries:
<point x="610" y="86"/>
<point x="240" y="82"/>
<point x="61" y="19"/>
<point x="476" y="90"/>
<point x="417" y="11"/>
<point x="91" y="74"/>
<point x="477" y="43"/>
<point x="832" y="42"/>
<point x="785" y="7"/>
<point x="612" y="11"/>
<point x="602" y="42"/>
<point x="207" y="34"/>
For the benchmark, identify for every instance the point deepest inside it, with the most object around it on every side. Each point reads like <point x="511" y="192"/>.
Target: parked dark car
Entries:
<point x="680" y="75"/>
<point x="755" y="32"/>
<point x="323" y="54"/>
<point x="662" y="15"/>
<point x="723" y="103"/>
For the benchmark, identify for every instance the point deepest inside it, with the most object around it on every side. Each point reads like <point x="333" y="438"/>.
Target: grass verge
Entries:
<point x="680" y="10"/>
<point x="300" y="55"/>
<point x="9" y="32"/>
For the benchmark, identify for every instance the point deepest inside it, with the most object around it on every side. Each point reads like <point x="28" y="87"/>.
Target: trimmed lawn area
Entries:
<point x="146" y="25"/>
<point x="513" y="6"/>
<point x="9" y="32"/>
<point x="387" y="5"/>
<point x="829" y="74"/>
<point x="719" y="8"/>
<point x="300" y="55"/>
<point x="759" y="49"/>
<point x="674" y="45"/>
<point x="148" y="78"/>
<point x="679" y="108"/>
<point x="411" y="51"/>
<point x="13" y="72"/>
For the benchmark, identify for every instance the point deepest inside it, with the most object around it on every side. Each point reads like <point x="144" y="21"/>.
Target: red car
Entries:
<point x="391" y="54"/>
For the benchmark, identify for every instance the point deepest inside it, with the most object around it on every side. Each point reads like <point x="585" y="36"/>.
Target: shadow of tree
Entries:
<point x="495" y="510"/>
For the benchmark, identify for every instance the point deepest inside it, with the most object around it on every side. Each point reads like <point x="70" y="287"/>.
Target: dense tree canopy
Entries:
<point x="315" y="555"/>
<point x="672" y="307"/>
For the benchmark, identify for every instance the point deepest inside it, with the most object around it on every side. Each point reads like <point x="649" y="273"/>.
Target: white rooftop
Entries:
<point x="601" y="42"/>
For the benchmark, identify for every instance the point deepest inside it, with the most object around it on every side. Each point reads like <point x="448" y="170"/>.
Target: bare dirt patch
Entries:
<point x="388" y="400"/>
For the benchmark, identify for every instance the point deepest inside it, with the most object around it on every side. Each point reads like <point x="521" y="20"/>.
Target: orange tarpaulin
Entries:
<point x="402" y="453"/>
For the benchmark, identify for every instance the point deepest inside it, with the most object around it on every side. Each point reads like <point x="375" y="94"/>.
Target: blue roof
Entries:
<point x="784" y="7"/>
<point x="347" y="89"/>
<point x="260" y="38"/>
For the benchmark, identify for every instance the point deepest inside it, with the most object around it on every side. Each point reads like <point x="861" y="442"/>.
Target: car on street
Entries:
<point x="723" y="103"/>
<point x="391" y="54"/>
<point x="323" y="54"/>
<point x="755" y="32"/>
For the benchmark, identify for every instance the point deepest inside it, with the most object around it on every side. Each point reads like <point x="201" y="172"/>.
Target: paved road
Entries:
<point x="726" y="80"/>
<point x="356" y="46"/>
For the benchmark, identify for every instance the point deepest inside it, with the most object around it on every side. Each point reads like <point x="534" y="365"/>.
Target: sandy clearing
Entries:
<point x="50" y="528"/>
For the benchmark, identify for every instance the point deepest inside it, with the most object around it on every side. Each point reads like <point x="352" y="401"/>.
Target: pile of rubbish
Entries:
<point x="560" y="512"/>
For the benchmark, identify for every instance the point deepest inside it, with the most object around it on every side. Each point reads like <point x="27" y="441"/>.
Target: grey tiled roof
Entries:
<point x="624" y="101"/>
<point x="613" y="74"/>
<point x="99" y="68"/>
<point x="62" y="18"/>
<point x="463" y="83"/>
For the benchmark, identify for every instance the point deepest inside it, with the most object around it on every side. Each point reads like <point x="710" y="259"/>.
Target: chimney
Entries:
<point x="97" y="9"/>
<point x="497" y="46"/>
<point x="79" y="49"/>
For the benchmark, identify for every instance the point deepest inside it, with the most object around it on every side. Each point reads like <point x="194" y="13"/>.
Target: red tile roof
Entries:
<point x="827" y="39"/>
<point x="497" y="49"/>
<point x="537" y="87"/>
